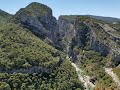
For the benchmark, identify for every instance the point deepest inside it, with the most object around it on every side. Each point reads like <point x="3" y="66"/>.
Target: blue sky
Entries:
<point x="109" y="8"/>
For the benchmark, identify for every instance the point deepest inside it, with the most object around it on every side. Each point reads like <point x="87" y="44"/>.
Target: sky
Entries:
<point x="109" y="8"/>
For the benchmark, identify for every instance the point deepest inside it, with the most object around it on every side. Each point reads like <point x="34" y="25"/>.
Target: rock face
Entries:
<point x="33" y="69"/>
<point x="69" y="32"/>
<point x="88" y="33"/>
<point x="38" y="18"/>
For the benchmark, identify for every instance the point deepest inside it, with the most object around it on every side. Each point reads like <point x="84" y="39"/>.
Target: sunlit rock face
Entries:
<point x="88" y="33"/>
<point x="38" y="18"/>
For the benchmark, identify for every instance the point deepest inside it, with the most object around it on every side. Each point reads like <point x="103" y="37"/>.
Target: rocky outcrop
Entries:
<point x="73" y="32"/>
<point x="33" y="69"/>
<point x="67" y="32"/>
<point x="38" y="18"/>
<point x="87" y="33"/>
<point x="65" y="26"/>
<point x="108" y="41"/>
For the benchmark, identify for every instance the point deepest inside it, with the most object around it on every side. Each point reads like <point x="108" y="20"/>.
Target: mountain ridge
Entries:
<point x="4" y="16"/>
<point x="103" y="18"/>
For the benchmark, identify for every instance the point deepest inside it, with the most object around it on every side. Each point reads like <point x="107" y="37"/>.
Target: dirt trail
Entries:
<point x="113" y="75"/>
<point x="83" y="78"/>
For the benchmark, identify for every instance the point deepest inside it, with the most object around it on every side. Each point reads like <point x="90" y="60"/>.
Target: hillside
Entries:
<point x="22" y="52"/>
<point x="105" y="19"/>
<point x="27" y="62"/>
<point x="86" y="29"/>
<point x="91" y="44"/>
<point x="20" y="46"/>
<point x="4" y="16"/>
<point x="38" y="19"/>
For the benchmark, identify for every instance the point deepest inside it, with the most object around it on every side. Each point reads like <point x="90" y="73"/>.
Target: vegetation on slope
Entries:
<point x="91" y="60"/>
<point x="19" y="46"/>
<point x="92" y="63"/>
<point x="106" y="19"/>
<point x="34" y="10"/>
<point x="62" y="78"/>
<point x="117" y="71"/>
<point x="33" y="7"/>
<point x="90" y="44"/>
<point x="20" y="49"/>
<point x="4" y="16"/>
<point x="72" y="18"/>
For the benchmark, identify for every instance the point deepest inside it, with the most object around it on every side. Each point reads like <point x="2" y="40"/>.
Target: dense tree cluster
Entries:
<point x="4" y="16"/>
<point x="62" y="78"/>
<point x="20" y="48"/>
<point x="92" y="62"/>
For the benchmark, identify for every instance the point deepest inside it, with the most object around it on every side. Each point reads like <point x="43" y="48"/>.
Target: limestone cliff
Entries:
<point x="38" y="18"/>
<point x="88" y="33"/>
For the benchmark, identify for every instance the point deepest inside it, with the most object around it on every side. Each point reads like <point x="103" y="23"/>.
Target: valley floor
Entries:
<point x="83" y="78"/>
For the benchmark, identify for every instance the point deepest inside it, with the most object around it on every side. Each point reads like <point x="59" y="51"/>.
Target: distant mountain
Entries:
<point x="4" y="16"/>
<point x="107" y="19"/>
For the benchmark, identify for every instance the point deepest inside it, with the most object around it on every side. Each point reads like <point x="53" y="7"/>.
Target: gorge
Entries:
<point x="39" y="52"/>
